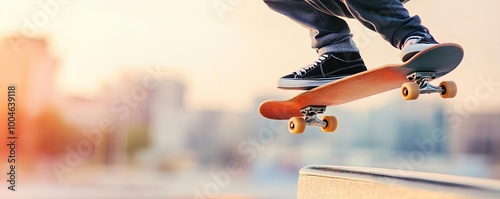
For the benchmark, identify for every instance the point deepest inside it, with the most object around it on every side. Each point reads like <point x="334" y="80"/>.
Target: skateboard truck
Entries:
<point x="297" y="125"/>
<point x="420" y="83"/>
<point x="310" y="113"/>
<point x="422" y="79"/>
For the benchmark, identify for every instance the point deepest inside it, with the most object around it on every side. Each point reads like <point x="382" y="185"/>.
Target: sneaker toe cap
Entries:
<point x="289" y="76"/>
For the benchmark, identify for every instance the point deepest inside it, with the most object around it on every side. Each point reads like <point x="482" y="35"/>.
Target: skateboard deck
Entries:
<point x="439" y="60"/>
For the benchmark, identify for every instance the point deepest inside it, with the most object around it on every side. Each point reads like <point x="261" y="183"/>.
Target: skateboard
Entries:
<point x="412" y="77"/>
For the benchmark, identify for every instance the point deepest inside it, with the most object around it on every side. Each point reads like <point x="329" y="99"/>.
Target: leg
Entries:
<point x="328" y="33"/>
<point x="387" y="17"/>
<point x="339" y="56"/>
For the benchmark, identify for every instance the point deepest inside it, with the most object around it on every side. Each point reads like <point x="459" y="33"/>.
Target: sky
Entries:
<point x="229" y="58"/>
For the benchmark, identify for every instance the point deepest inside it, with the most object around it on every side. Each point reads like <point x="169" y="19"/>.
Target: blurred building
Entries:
<point x="27" y="64"/>
<point x="169" y="117"/>
<point x="479" y="135"/>
<point x="149" y="117"/>
<point x="399" y="125"/>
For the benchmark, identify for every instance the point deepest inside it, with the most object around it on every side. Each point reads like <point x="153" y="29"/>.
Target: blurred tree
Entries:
<point x="53" y="133"/>
<point x="137" y="138"/>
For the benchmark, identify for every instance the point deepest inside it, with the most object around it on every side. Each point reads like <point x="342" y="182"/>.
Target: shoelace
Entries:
<point x="311" y="66"/>
<point x="418" y="39"/>
<point x="412" y="40"/>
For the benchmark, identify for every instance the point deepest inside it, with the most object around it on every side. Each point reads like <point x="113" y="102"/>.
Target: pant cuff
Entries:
<point x="347" y="45"/>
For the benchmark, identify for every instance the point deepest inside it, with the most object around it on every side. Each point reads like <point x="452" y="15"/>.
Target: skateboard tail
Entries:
<point x="272" y="109"/>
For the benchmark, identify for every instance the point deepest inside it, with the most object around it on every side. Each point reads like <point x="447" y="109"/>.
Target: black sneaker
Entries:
<point x="415" y="44"/>
<point x="327" y="68"/>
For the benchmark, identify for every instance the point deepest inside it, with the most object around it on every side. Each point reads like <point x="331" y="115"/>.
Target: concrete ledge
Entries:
<point x="357" y="182"/>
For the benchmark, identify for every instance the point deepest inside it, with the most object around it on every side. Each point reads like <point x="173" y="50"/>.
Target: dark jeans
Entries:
<point x="329" y="33"/>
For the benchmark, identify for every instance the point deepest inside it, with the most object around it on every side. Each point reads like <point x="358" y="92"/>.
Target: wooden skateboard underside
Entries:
<point x="440" y="59"/>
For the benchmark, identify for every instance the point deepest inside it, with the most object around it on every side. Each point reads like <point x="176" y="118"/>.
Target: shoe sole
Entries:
<point x="410" y="51"/>
<point x="305" y="84"/>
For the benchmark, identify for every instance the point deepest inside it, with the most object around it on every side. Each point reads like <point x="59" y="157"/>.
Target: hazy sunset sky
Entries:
<point x="227" y="60"/>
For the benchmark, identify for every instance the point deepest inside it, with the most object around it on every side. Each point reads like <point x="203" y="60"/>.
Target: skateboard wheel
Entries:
<point x="331" y="123"/>
<point x="296" y="125"/>
<point x="410" y="90"/>
<point x="450" y="89"/>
